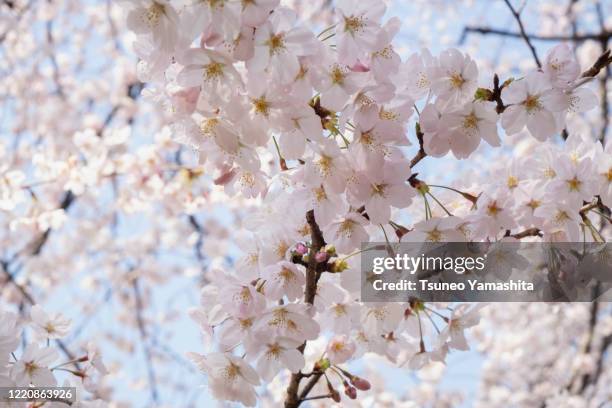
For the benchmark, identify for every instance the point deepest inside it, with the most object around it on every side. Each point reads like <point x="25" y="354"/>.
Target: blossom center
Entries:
<point x="346" y="228"/>
<point x="470" y="122"/>
<point x="337" y="75"/>
<point x="274" y="350"/>
<point x="574" y="184"/>
<point x="261" y="106"/>
<point x="549" y="173"/>
<point x="493" y="209"/>
<point x="353" y="24"/>
<point x="231" y="372"/>
<point x="337" y="346"/>
<point x="379" y="189"/>
<point x="30" y="367"/>
<point x="457" y="80"/>
<point x="561" y="217"/>
<point x="247" y="179"/>
<point x="244" y="296"/>
<point x="214" y="70"/>
<point x="208" y="126"/>
<point x="276" y="44"/>
<point x="153" y="14"/>
<point x="245" y="323"/>
<point x="434" y="235"/>
<point x="325" y="164"/>
<point x="319" y="194"/>
<point x="385" y="53"/>
<point x="387" y="115"/>
<point x="339" y="310"/>
<point x="512" y="182"/>
<point x="532" y="103"/>
<point x="281" y="249"/>
<point x="287" y="274"/>
<point x="533" y="204"/>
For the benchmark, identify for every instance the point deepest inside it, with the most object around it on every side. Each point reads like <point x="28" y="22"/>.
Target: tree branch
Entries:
<point x="312" y="277"/>
<point x="517" y="17"/>
<point x="534" y="37"/>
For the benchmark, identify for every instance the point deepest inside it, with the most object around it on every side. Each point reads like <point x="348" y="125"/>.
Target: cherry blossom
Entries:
<point x="529" y="107"/>
<point x="48" y="326"/>
<point x="231" y="378"/>
<point x="33" y="367"/>
<point x="227" y="165"/>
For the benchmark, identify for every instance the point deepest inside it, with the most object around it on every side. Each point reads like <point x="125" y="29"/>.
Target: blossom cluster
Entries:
<point x="315" y="129"/>
<point x="40" y="364"/>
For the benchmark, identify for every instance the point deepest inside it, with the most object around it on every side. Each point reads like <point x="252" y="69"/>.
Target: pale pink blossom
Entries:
<point x="340" y="349"/>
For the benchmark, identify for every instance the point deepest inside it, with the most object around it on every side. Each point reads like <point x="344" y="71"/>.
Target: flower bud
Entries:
<point x="330" y="249"/>
<point x="301" y="249"/>
<point x="350" y="392"/>
<point x="321" y="257"/>
<point x="339" y="265"/>
<point x="360" y="383"/>
<point x="335" y="395"/>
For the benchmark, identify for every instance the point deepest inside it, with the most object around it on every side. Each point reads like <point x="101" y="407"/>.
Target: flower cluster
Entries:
<point x="314" y="128"/>
<point x="40" y="365"/>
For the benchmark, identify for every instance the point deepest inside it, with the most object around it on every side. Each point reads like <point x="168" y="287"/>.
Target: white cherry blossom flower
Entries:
<point x="348" y="232"/>
<point x="217" y="19"/>
<point x="230" y="378"/>
<point x="381" y="319"/>
<point x="277" y="354"/>
<point x="211" y="70"/>
<point x="358" y="30"/>
<point x="46" y="326"/>
<point x="289" y="321"/>
<point x="462" y="318"/>
<point x="561" y="221"/>
<point x="561" y="66"/>
<point x="340" y="349"/>
<point x="528" y="107"/>
<point x="436" y="230"/>
<point x="384" y="188"/>
<point x="467" y="126"/>
<point x="278" y="46"/>
<point x="255" y="12"/>
<point x="33" y="367"/>
<point x="156" y="18"/>
<point x="240" y="300"/>
<point x="284" y="279"/>
<point x="574" y="183"/>
<point x="455" y="76"/>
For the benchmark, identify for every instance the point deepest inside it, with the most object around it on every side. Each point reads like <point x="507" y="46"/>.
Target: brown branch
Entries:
<point x="554" y="38"/>
<point x="517" y="17"/>
<point x="603" y="82"/>
<point x="312" y="277"/>
<point x="421" y="154"/>
<point x="602" y="62"/>
<point x="529" y="232"/>
<point x="585" y="378"/>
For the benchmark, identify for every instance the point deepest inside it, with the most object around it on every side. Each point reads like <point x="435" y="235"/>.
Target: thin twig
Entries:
<point x="517" y="17"/>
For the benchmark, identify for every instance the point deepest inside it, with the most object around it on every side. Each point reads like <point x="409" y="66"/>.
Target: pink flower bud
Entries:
<point x="360" y="383"/>
<point x="350" y="392"/>
<point x="321" y="257"/>
<point x="301" y="249"/>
